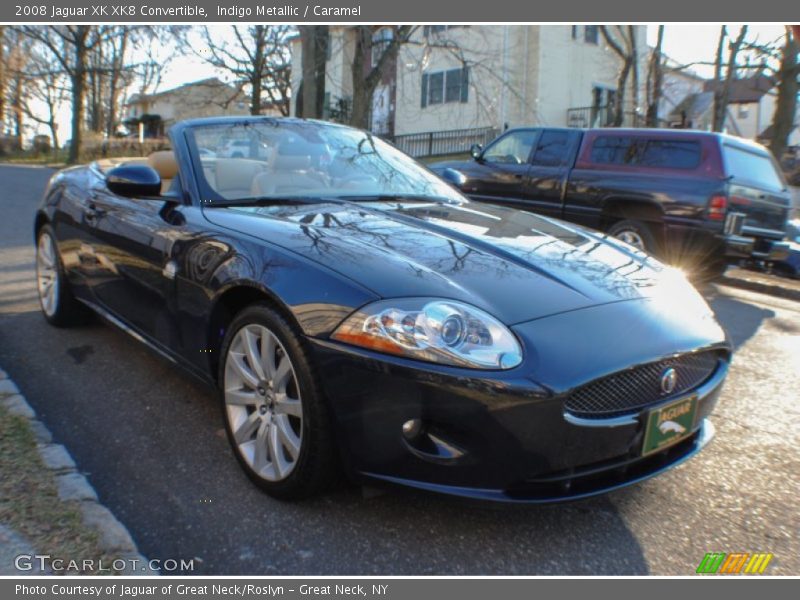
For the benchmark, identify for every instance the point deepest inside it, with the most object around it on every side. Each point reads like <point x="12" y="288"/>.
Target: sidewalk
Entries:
<point x="47" y="507"/>
<point x="764" y="283"/>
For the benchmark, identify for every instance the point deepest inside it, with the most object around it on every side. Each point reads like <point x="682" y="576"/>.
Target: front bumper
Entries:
<point x="505" y="435"/>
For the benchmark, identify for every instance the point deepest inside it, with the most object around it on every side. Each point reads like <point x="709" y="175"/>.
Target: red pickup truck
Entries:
<point x="693" y="198"/>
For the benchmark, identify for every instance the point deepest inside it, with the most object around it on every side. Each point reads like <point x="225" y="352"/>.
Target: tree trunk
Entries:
<point x="786" y="105"/>
<point x="314" y="40"/>
<point x="17" y="104"/>
<point x="2" y="79"/>
<point x="54" y="134"/>
<point x="717" y="115"/>
<point x="655" y="80"/>
<point x="635" y="76"/>
<point x="322" y="40"/>
<point x="362" y="91"/>
<point x="622" y="82"/>
<point x="721" y="96"/>
<point x="78" y="79"/>
<point x="258" y="70"/>
<point x="117" y="66"/>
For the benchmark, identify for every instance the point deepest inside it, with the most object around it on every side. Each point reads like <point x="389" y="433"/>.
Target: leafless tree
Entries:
<point x="622" y="40"/>
<point x="779" y="59"/>
<point x="3" y="81"/>
<point x="371" y="60"/>
<point x="655" y="79"/>
<point x="70" y="45"/>
<point x="46" y="85"/>
<point x="725" y="72"/>
<point x="315" y="43"/>
<point x="257" y="55"/>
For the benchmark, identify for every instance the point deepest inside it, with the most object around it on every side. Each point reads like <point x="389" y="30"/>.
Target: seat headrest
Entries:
<point x="164" y="163"/>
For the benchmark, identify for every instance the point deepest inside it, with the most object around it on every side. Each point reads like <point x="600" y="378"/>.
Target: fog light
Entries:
<point x="412" y="428"/>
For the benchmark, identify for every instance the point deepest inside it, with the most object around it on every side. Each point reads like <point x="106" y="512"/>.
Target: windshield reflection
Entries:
<point x="251" y="161"/>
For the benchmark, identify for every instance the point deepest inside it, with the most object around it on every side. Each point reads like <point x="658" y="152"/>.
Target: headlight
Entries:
<point x="440" y="331"/>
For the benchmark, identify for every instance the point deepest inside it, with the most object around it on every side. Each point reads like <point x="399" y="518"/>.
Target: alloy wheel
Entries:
<point x="47" y="274"/>
<point x="632" y="238"/>
<point x="262" y="403"/>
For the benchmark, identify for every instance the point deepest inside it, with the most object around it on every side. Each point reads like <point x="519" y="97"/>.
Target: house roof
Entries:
<point x="208" y="82"/>
<point x="693" y="106"/>
<point x="744" y="91"/>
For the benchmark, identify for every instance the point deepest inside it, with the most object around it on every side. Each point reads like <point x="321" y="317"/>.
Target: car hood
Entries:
<point x="515" y="265"/>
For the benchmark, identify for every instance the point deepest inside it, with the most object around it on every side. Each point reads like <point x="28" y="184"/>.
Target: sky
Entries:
<point x="683" y="43"/>
<point x="690" y="43"/>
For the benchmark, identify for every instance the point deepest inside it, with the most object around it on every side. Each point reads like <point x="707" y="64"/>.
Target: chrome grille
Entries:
<point x="631" y="390"/>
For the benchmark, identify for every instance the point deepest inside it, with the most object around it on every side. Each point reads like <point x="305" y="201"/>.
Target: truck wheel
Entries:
<point x="635" y="233"/>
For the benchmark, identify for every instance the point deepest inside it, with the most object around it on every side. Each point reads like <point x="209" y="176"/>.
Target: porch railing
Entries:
<point x="603" y="116"/>
<point x="438" y="143"/>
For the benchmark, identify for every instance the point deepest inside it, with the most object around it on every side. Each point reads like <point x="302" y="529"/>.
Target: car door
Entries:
<point x="501" y="172"/>
<point x="549" y="171"/>
<point x="131" y="241"/>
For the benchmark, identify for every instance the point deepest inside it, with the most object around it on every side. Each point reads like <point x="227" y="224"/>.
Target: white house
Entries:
<point x="751" y="107"/>
<point x="204" y="98"/>
<point x="454" y="77"/>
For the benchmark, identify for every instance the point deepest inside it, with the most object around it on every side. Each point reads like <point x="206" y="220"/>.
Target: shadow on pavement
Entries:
<point x="150" y="440"/>
<point x="740" y="319"/>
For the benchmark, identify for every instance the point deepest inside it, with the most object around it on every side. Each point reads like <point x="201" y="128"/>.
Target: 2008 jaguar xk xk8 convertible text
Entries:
<point x="357" y="312"/>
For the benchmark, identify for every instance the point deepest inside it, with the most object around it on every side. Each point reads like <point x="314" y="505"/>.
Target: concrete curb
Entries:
<point x="113" y="537"/>
<point x="759" y="286"/>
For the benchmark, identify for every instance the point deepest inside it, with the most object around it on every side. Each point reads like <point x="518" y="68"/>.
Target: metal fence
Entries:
<point x="438" y="143"/>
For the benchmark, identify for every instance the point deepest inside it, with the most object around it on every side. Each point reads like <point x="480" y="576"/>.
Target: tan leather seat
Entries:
<point x="290" y="174"/>
<point x="233" y="177"/>
<point x="165" y="164"/>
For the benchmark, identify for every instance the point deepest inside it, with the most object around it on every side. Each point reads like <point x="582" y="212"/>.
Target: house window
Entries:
<point x="744" y="111"/>
<point x="380" y="41"/>
<point x="574" y="32"/>
<point x="445" y="86"/>
<point x="436" y="88"/>
<point x="591" y="34"/>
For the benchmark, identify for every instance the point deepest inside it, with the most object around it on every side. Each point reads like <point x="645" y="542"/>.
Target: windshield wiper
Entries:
<point x="397" y="198"/>
<point x="267" y="201"/>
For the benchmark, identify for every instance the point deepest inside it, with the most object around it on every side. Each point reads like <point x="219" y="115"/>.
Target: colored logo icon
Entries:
<point x="735" y="563"/>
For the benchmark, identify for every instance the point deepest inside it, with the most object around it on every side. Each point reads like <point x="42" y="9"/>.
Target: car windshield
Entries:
<point x="277" y="159"/>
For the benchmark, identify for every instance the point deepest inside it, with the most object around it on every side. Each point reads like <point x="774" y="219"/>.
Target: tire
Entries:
<point x="278" y="425"/>
<point x="636" y="233"/>
<point x="56" y="299"/>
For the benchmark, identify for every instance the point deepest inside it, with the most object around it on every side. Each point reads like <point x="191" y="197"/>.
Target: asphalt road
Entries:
<point x="150" y="440"/>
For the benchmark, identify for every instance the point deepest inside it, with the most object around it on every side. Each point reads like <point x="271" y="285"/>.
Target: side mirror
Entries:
<point x="476" y="151"/>
<point x="134" y="181"/>
<point x="454" y="177"/>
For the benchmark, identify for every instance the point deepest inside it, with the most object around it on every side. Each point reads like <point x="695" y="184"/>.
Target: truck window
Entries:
<point x="750" y="167"/>
<point x="614" y="150"/>
<point x="513" y="148"/>
<point x="552" y="149"/>
<point x="668" y="154"/>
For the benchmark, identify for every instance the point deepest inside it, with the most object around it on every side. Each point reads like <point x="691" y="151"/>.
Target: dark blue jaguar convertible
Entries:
<point x="359" y="315"/>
